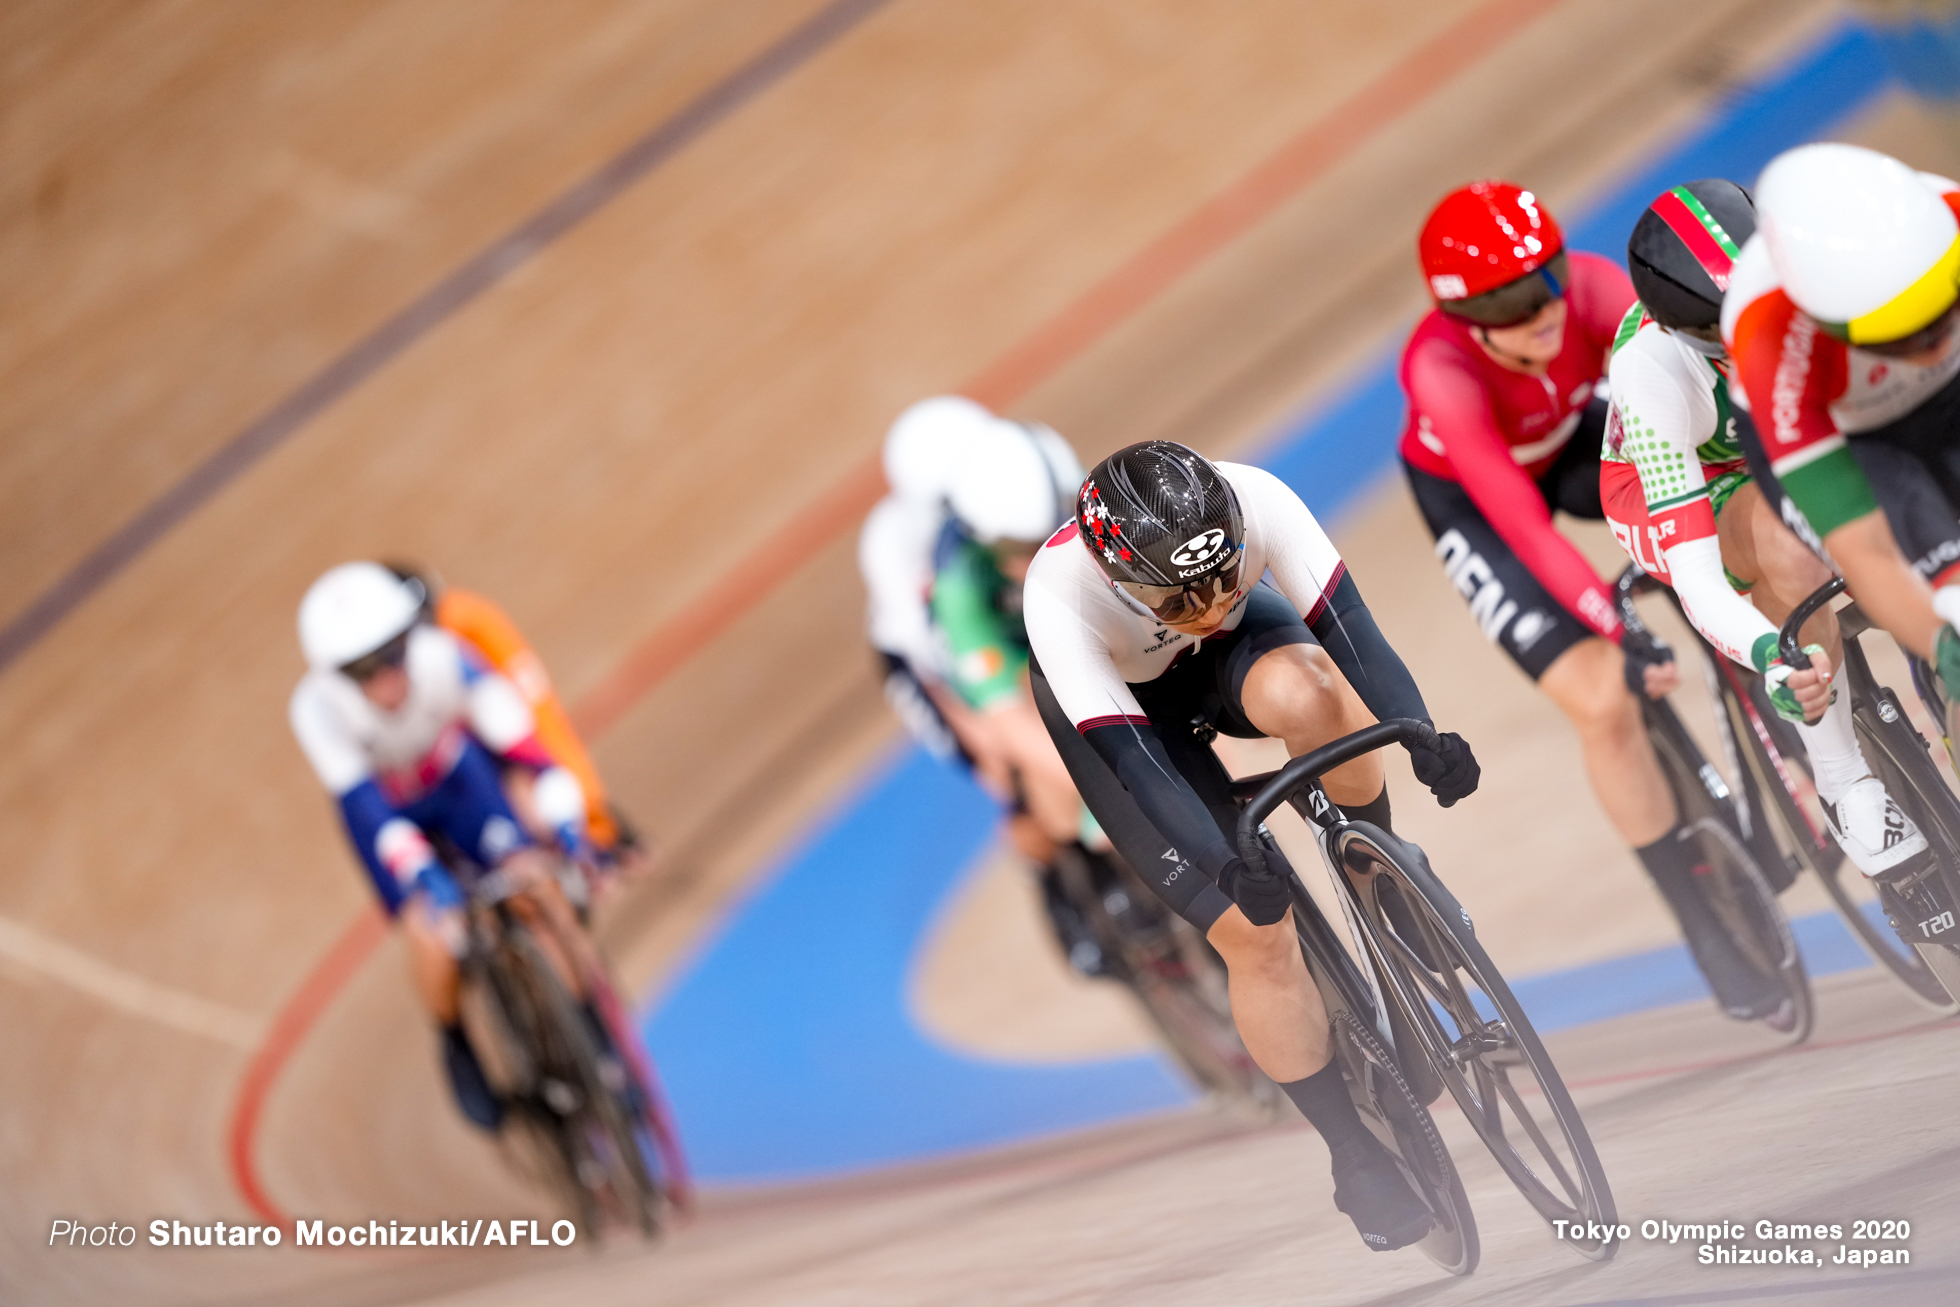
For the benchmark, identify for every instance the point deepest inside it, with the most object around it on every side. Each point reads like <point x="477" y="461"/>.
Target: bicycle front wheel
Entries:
<point x="1477" y="1037"/>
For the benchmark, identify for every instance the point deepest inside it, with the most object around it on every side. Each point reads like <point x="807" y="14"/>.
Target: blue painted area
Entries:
<point x="1662" y="977"/>
<point x="788" y="1050"/>
<point x="1923" y="50"/>
<point x="787" y="1046"/>
<point x="1341" y="446"/>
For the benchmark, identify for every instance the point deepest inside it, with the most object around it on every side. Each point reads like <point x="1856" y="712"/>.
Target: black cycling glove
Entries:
<point x="1263" y="898"/>
<point x="1450" y="770"/>
<point x="1643" y="649"/>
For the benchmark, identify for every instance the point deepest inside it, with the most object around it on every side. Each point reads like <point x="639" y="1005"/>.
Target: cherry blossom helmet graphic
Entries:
<point x="1682" y="251"/>
<point x="1165" y="526"/>
<point x="1493" y="254"/>
<point x="356" y="619"/>
<point x="1864" y="245"/>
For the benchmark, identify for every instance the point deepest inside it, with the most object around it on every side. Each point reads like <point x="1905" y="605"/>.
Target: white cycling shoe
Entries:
<point x="1872" y="830"/>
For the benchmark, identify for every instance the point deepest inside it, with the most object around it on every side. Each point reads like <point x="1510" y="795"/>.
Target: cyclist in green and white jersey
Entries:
<point x="943" y="556"/>
<point x="1678" y="495"/>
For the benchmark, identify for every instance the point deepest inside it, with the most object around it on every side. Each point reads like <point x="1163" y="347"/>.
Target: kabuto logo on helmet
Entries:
<point x="1142" y="501"/>
<point x="1448" y="286"/>
<point x="1199" y="549"/>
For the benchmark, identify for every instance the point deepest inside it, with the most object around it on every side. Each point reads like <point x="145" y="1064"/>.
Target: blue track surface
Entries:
<point x="786" y="1043"/>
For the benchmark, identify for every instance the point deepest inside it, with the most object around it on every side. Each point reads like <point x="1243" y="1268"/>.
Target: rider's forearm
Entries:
<point x="1883" y="582"/>
<point x="1136" y="754"/>
<point x="1724" y="618"/>
<point x="1347" y="630"/>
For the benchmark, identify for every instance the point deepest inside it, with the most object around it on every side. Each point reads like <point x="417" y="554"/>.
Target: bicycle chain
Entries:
<point x="1371" y="1047"/>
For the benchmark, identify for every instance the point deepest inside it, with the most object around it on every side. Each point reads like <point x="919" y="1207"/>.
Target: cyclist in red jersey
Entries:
<point x="1843" y="315"/>
<point x="1505" y="381"/>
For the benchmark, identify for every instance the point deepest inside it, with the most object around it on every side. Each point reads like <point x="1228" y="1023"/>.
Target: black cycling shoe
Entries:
<point x="471" y="1088"/>
<point x="1377" y="1198"/>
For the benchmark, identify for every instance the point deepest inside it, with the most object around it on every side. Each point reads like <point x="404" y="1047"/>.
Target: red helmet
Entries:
<point x="1483" y="238"/>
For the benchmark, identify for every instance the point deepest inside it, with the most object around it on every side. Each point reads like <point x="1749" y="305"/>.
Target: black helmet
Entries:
<point x="1682" y="249"/>
<point x="1163" y="523"/>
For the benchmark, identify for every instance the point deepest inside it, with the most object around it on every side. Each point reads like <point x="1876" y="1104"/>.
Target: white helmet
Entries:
<point x="922" y="447"/>
<point x="1006" y="488"/>
<point x="1860" y="242"/>
<point x="351" y="611"/>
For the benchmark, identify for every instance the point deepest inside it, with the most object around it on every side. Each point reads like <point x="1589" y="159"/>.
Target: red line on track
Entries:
<point x="1091" y="317"/>
<point x="1088" y="319"/>
<point x="334" y="969"/>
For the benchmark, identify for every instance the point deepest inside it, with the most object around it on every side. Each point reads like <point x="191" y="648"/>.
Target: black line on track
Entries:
<point x="434" y="307"/>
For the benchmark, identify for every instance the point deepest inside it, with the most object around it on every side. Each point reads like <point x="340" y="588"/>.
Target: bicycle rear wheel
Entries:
<point x="1901" y="757"/>
<point x="1445" y="984"/>
<point x="1177" y="978"/>
<point x="1181" y="983"/>
<point x="1778" y="767"/>
<point x="1728" y="876"/>
<point x="1390" y="1110"/>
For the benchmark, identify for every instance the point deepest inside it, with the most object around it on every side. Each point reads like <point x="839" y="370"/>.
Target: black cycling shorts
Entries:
<point x="1913" y="465"/>
<point x="1511" y="605"/>
<point x="1199" y="690"/>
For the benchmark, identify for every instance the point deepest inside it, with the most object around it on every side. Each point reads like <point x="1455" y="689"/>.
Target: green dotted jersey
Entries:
<point x="1673" y="427"/>
<point x="1680" y="439"/>
<point x="985" y="638"/>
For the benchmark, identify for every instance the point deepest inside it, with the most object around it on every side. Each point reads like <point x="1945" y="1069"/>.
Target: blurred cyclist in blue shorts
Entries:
<point x="407" y="729"/>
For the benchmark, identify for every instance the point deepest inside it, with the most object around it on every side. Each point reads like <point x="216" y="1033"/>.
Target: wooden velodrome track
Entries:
<point x="643" y="425"/>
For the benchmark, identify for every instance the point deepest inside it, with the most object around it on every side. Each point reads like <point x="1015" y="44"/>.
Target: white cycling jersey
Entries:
<point x="348" y="740"/>
<point x="1093" y="641"/>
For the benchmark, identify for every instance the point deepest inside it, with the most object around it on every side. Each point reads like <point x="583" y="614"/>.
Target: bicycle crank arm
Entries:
<point x="1921" y="908"/>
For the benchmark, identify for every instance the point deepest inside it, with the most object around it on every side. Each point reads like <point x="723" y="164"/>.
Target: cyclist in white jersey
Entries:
<point x="1152" y="627"/>
<point x="1680" y="500"/>
<point x="943" y="555"/>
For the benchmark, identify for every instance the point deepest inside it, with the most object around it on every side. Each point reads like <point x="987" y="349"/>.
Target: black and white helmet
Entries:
<point x="1159" y="515"/>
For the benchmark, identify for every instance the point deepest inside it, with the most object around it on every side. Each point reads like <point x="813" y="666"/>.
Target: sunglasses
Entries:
<point x="1515" y="302"/>
<point x="370" y="665"/>
<point x="1182" y="603"/>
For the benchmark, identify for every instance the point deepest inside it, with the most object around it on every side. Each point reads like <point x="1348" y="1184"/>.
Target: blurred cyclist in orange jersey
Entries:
<point x="490" y="631"/>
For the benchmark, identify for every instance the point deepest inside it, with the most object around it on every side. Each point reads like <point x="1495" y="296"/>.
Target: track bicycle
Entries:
<point x="1920" y="902"/>
<point x="1740" y="870"/>
<point x="1423" y="1009"/>
<point x="1778" y="803"/>
<point x="583" y="1113"/>
<point x="1175" y="974"/>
